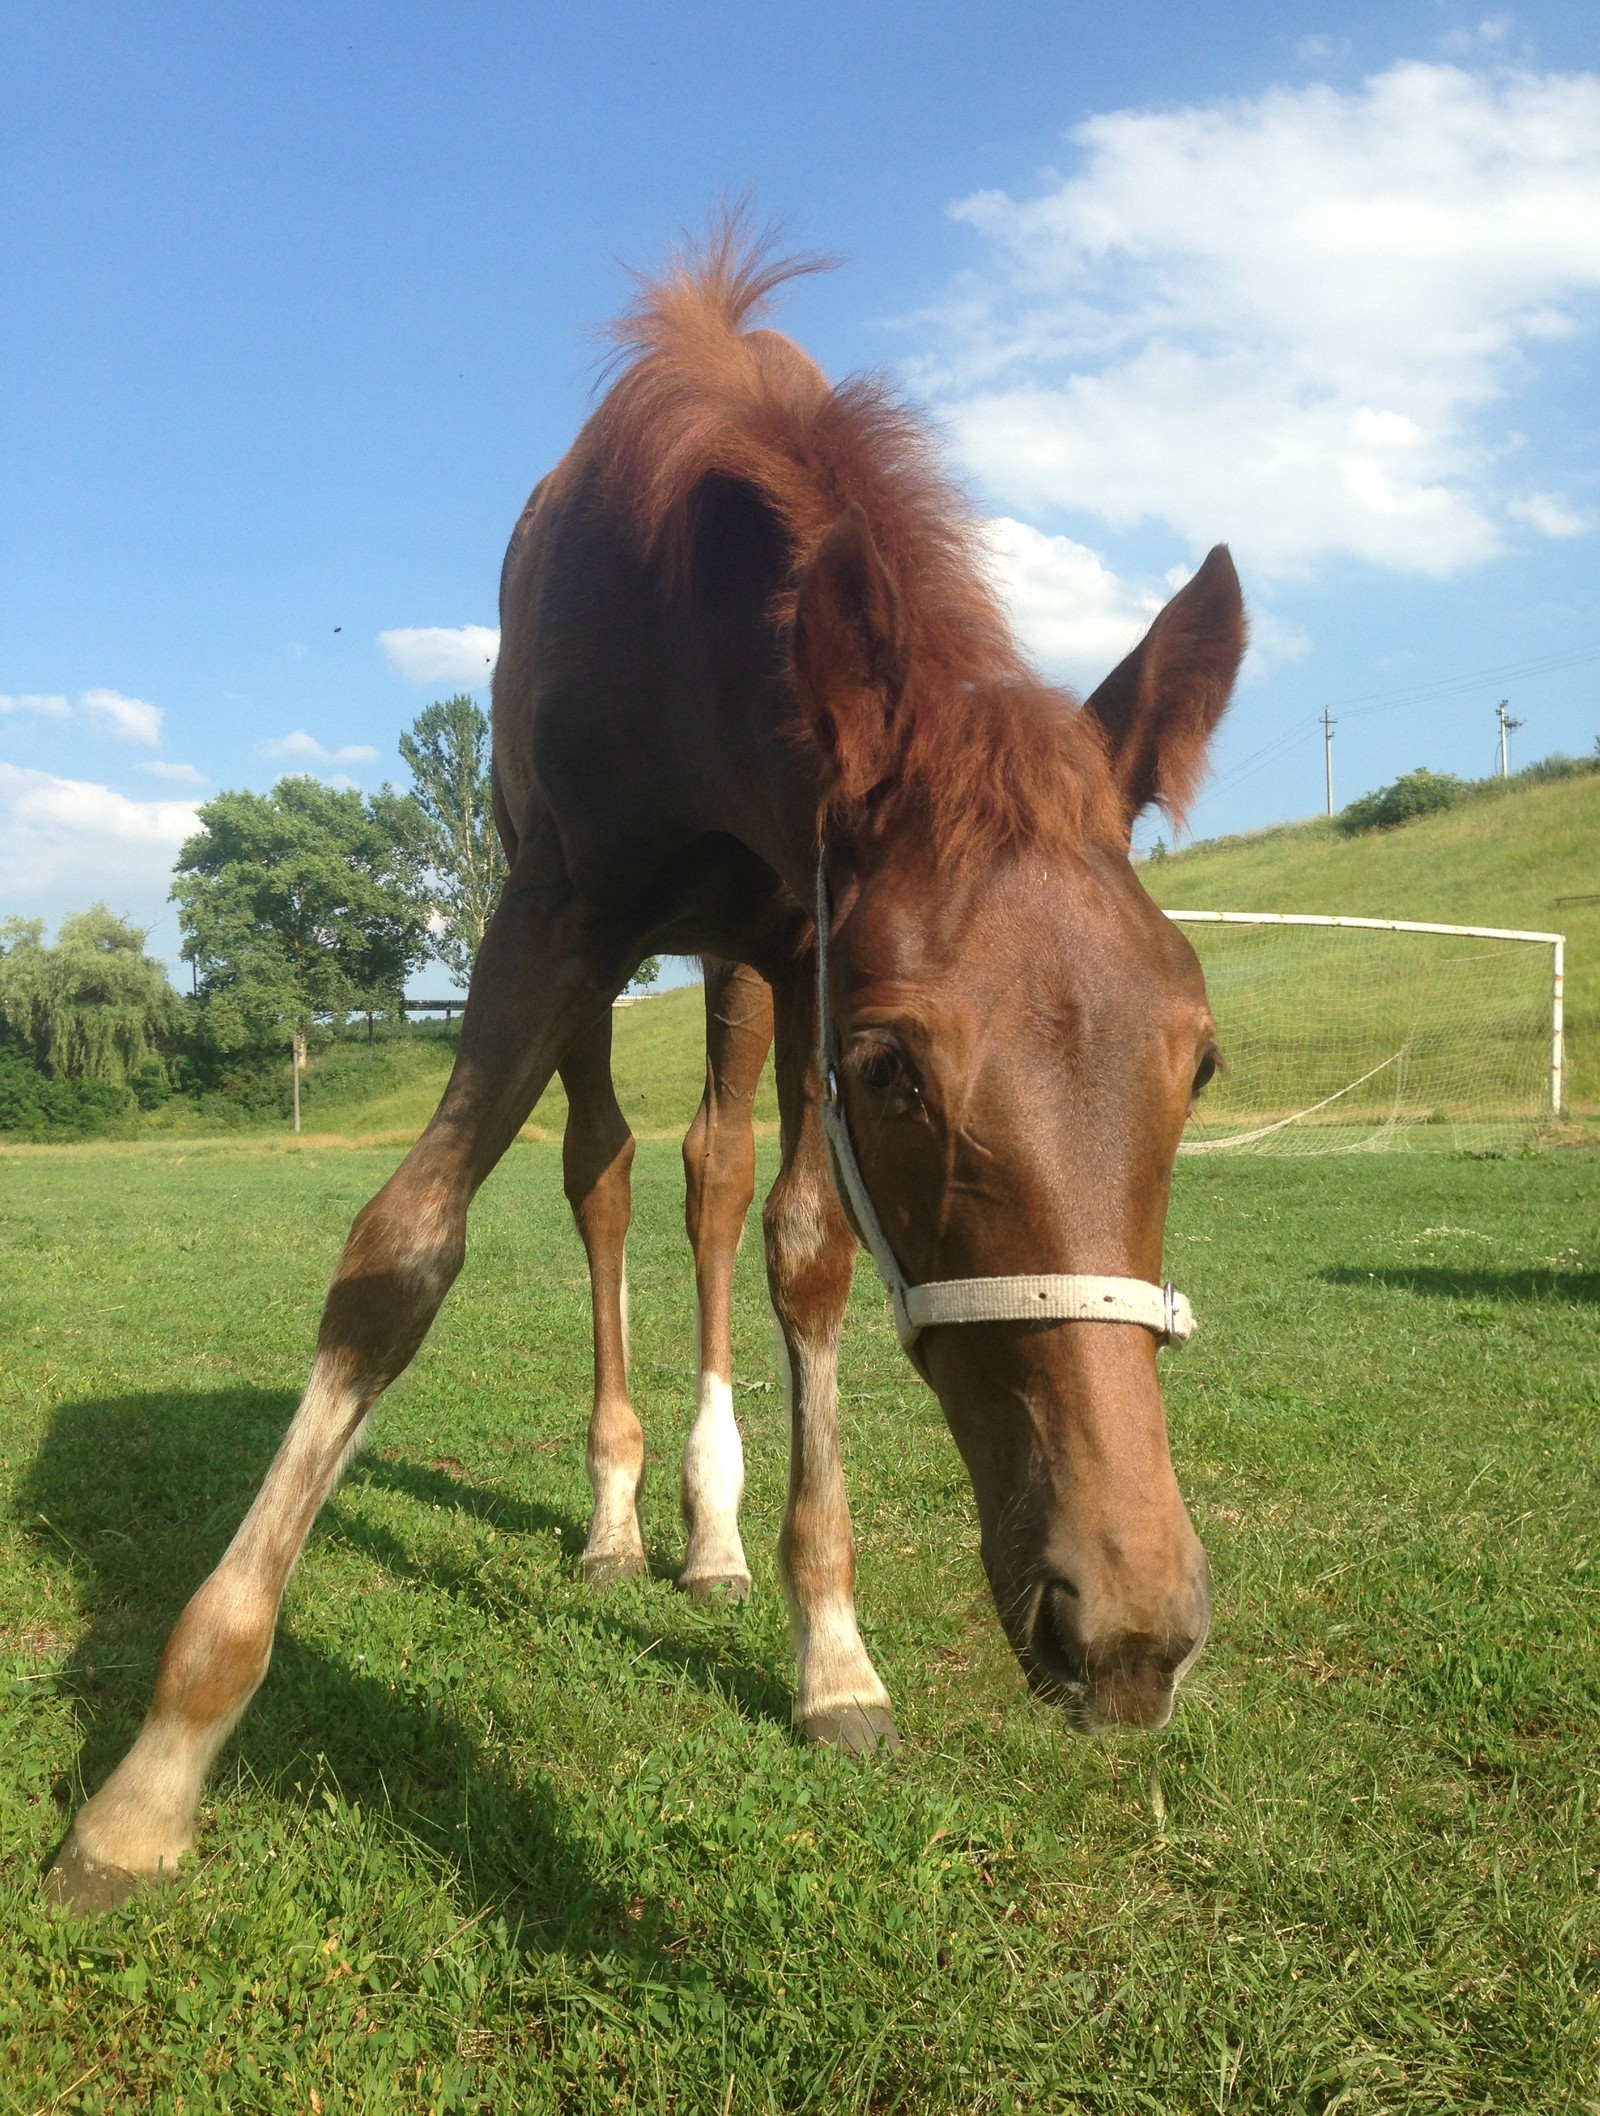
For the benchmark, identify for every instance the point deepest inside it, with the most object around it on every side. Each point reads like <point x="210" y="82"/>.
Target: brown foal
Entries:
<point x="746" y="629"/>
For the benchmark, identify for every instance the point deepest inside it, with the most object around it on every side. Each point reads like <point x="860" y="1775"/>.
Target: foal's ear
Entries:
<point x="1159" y="707"/>
<point x="850" y="653"/>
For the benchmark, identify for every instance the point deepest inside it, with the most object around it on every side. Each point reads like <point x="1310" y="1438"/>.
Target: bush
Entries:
<point x="1418" y="793"/>
<point x="34" y="1108"/>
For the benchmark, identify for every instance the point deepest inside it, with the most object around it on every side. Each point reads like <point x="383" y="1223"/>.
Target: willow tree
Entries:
<point x="93" y="1007"/>
<point x="448" y="752"/>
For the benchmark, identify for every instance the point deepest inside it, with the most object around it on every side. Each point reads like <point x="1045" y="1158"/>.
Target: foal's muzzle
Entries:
<point x="1112" y="1677"/>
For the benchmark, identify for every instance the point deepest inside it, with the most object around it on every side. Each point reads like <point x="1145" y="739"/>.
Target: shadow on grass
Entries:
<point x="145" y="1491"/>
<point x="1446" y="1283"/>
<point x="752" y="1687"/>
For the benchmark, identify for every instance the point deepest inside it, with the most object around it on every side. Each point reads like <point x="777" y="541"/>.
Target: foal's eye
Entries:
<point x="883" y="1067"/>
<point x="1207" y="1072"/>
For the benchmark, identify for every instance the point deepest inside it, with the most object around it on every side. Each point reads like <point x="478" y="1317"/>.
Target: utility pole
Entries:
<point x="298" y="1049"/>
<point x="1328" y="726"/>
<point x="1507" y="724"/>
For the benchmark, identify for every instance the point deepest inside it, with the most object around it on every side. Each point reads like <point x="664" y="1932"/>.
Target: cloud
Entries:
<point x="442" y="653"/>
<point x="1073" y="614"/>
<point x="1550" y="515"/>
<point x="302" y="748"/>
<point x="51" y="706"/>
<point x="132" y="718"/>
<point x="1315" y="49"/>
<point x="66" y="842"/>
<point x="1488" y="34"/>
<point x="1078" y="619"/>
<point x="1285" y="321"/>
<point x="180" y="774"/>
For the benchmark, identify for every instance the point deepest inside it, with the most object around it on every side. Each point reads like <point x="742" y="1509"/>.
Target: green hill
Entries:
<point x="389" y="1089"/>
<point x="1491" y="862"/>
<point x="1494" y="861"/>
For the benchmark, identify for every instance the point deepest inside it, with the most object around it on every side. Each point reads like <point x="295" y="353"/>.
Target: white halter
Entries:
<point x="1046" y="1297"/>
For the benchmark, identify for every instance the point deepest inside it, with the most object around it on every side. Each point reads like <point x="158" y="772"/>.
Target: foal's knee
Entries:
<point x="400" y="1260"/>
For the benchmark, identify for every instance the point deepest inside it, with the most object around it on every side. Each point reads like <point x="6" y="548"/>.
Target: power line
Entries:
<point x="1364" y="704"/>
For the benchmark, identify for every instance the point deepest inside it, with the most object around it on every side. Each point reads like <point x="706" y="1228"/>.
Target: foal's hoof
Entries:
<point x="604" y="1569"/>
<point x="857" y="1730"/>
<point x="716" y="1586"/>
<point x="83" y="1886"/>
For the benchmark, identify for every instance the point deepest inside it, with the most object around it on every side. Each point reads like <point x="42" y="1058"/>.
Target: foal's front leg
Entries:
<point x="810" y="1258"/>
<point x="539" y="982"/>
<point x="719" y="1165"/>
<point x="596" y="1157"/>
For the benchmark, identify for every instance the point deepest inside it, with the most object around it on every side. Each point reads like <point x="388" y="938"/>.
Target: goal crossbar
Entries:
<point x="1555" y="942"/>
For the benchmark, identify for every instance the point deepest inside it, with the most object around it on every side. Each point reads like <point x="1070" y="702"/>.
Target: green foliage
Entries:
<point x="298" y="906"/>
<point x="448" y="751"/>
<point x="646" y="974"/>
<point x="1415" y="793"/>
<point x="94" y="1007"/>
<point x="489" y="1841"/>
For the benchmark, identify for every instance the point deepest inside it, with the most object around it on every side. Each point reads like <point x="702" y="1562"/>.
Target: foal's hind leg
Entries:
<point x="541" y="979"/>
<point x="719" y="1162"/>
<point x="596" y="1155"/>
<point x="810" y="1256"/>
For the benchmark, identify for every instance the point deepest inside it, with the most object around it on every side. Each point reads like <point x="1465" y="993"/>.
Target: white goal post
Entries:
<point x="1348" y="1035"/>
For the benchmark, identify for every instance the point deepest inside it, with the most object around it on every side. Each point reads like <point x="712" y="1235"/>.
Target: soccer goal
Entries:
<point x="1359" y="1035"/>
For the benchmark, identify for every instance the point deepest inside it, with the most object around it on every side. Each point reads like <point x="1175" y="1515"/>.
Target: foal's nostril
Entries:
<point x="1058" y="1643"/>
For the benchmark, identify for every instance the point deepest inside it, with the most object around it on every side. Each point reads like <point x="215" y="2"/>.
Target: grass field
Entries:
<point x="487" y="1841"/>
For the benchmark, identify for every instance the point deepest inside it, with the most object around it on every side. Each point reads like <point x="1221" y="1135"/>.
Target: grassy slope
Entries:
<point x="1496" y="862"/>
<point x="488" y="1842"/>
<point x="1492" y="863"/>
<point x="658" y="1062"/>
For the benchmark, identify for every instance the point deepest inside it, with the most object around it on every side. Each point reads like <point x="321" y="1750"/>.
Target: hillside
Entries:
<point x="658" y="1062"/>
<point x="1499" y="862"/>
<point x="1496" y="862"/>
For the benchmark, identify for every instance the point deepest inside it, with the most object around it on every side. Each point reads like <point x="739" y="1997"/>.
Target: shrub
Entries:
<point x="1417" y="793"/>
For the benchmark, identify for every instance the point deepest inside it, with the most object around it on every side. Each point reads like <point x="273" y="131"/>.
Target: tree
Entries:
<point x="93" y="1007"/>
<point x="448" y="752"/>
<point x="299" y="905"/>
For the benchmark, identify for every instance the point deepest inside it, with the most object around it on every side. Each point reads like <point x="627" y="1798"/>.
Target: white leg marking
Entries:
<point x="713" y="1485"/>
<point x="834" y="1667"/>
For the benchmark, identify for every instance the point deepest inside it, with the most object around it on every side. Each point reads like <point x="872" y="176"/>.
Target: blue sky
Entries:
<point x="298" y="303"/>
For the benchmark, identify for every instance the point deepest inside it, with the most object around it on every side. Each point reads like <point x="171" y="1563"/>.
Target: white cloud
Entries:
<point x="52" y="707"/>
<point x="132" y="718"/>
<point x="1550" y="515"/>
<point x="1488" y="34"/>
<point x="1317" y="48"/>
<point x="1078" y="619"/>
<point x="1073" y="614"/>
<point x="306" y="749"/>
<point x="66" y="842"/>
<point x="1283" y="322"/>
<point x="179" y="774"/>
<point x="442" y="653"/>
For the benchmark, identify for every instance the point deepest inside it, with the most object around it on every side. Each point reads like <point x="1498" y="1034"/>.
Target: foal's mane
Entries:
<point x="982" y="754"/>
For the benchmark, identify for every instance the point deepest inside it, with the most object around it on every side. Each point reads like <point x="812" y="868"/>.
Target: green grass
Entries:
<point x="1493" y="862"/>
<point x="488" y="1841"/>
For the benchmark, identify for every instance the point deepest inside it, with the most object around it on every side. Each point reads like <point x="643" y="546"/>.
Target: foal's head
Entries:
<point x="1021" y="1036"/>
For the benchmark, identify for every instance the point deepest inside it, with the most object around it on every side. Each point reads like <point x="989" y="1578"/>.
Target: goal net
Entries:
<point x="1348" y="1035"/>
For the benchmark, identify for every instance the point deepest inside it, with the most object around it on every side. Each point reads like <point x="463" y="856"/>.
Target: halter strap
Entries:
<point x="1044" y="1297"/>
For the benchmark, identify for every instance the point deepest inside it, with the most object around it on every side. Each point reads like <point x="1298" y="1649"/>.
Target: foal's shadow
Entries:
<point x="144" y="1492"/>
